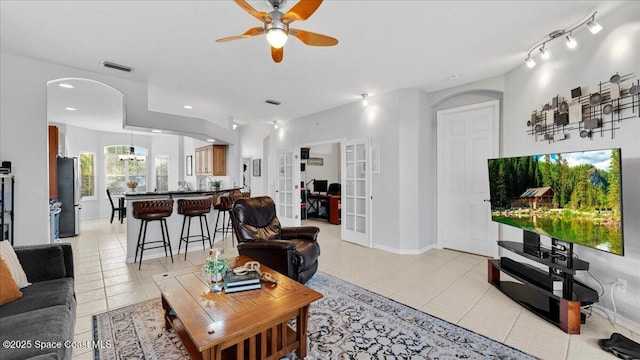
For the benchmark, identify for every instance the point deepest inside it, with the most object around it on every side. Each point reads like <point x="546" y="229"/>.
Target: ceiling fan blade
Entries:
<point x="249" y="33"/>
<point x="260" y="15"/>
<point x="302" y="10"/>
<point x="276" y="54"/>
<point x="313" y="39"/>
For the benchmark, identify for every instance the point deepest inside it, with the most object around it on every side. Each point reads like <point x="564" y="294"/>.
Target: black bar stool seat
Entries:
<point x="153" y="210"/>
<point x="191" y="208"/>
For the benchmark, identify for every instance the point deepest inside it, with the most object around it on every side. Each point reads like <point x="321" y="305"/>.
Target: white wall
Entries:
<point x="614" y="49"/>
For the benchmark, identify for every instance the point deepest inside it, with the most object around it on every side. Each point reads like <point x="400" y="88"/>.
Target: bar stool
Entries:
<point x="191" y="208"/>
<point x="224" y="206"/>
<point x="148" y="211"/>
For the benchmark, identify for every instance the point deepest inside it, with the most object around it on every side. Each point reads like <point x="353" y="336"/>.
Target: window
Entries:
<point x="87" y="176"/>
<point x="162" y="173"/>
<point x="122" y="166"/>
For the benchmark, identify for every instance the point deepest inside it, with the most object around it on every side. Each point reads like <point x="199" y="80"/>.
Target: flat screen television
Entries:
<point x="573" y="196"/>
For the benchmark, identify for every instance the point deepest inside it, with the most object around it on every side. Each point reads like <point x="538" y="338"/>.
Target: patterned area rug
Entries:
<point x="347" y="323"/>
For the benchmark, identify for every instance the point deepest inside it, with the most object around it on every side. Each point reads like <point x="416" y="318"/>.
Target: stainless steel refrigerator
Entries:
<point x="69" y="196"/>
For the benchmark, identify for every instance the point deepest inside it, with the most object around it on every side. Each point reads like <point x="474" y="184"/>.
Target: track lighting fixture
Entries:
<point x="365" y="102"/>
<point x="571" y="42"/>
<point x="544" y="53"/>
<point x="593" y="26"/>
<point x="541" y="47"/>
<point x="235" y="126"/>
<point x="275" y="124"/>
<point x="529" y="61"/>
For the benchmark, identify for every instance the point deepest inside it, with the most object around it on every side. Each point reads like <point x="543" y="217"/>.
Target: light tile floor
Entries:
<point x="445" y="283"/>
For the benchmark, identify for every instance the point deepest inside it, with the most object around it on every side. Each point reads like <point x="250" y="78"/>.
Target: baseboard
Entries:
<point x="620" y="320"/>
<point x="403" y="251"/>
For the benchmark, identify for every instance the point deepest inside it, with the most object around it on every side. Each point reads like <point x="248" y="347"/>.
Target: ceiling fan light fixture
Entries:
<point x="277" y="38"/>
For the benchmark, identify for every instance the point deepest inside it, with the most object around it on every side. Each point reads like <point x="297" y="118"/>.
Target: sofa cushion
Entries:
<point x="43" y="263"/>
<point x="9" y="256"/>
<point x="40" y="295"/>
<point x="52" y="325"/>
<point x="9" y="291"/>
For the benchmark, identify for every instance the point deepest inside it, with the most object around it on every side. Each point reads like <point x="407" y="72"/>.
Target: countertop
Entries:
<point x="171" y="194"/>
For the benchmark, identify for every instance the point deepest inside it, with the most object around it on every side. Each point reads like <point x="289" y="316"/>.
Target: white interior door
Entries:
<point x="467" y="137"/>
<point x="356" y="192"/>
<point x="288" y="190"/>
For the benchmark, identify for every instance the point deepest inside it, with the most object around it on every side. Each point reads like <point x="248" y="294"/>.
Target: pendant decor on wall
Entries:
<point x="598" y="112"/>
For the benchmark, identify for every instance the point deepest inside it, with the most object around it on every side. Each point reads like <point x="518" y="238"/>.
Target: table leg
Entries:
<point x="303" y="319"/>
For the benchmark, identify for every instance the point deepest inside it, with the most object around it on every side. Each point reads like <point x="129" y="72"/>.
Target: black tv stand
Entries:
<point x="553" y="295"/>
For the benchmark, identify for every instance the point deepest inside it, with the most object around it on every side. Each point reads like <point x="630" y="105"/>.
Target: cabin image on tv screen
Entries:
<point x="574" y="197"/>
<point x="535" y="197"/>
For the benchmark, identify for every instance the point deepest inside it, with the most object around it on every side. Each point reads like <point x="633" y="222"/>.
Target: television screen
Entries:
<point x="574" y="196"/>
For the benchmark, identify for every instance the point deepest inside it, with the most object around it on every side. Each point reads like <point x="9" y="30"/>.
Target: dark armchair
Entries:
<point x="292" y="251"/>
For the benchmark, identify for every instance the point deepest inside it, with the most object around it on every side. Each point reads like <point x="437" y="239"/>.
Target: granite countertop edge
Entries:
<point x="178" y="193"/>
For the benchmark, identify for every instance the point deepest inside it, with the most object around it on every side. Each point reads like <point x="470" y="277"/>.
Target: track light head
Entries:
<point x="529" y="61"/>
<point x="365" y="102"/>
<point x="593" y="26"/>
<point x="544" y="53"/>
<point x="275" y="124"/>
<point x="571" y="42"/>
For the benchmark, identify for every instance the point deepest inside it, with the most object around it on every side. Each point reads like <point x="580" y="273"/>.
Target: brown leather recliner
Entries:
<point x="292" y="251"/>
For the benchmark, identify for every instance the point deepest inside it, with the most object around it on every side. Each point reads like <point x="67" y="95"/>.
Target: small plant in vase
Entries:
<point x="216" y="184"/>
<point x="132" y="185"/>
<point x="214" y="268"/>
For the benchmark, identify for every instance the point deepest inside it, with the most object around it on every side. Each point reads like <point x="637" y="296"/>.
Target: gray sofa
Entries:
<point x="46" y="314"/>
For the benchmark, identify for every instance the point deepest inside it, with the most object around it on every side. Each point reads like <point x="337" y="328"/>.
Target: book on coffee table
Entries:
<point x="232" y="280"/>
<point x="232" y="289"/>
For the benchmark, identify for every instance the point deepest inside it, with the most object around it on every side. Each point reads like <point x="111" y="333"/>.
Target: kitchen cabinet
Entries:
<point x="211" y="160"/>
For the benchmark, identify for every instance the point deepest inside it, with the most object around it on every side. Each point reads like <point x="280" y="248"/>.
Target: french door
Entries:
<point x="467" y="137"/>
<point x="356" y="191"/>
<point x="288" y="188"/>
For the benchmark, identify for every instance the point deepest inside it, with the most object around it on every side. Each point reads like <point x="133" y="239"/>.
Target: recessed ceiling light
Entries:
<point x="156" y="131"/>
<point x="188" y="107"/>
<point x="211" y="140"/>
<point x="66" y="86"/>
<point x="453" y="77"/>
<point x="70" y="109"/>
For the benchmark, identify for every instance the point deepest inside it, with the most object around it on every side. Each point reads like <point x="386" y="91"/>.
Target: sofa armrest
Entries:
<point x="267" y="244"/>
<point x="46" y="262"/>
<point x="300" y="232"/>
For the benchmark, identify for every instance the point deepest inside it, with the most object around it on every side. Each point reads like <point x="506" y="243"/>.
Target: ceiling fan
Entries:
<point x="276" y="26"/>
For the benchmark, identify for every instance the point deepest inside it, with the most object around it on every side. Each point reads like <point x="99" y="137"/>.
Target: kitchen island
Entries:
<point x="174" y="222"/>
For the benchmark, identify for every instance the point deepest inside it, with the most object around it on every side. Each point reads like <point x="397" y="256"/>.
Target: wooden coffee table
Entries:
<point x="243" y="325"/>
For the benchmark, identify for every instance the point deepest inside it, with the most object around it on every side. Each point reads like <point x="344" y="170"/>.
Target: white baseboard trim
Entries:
<point x="403" y="251"/>
<point x="620" y="320"/>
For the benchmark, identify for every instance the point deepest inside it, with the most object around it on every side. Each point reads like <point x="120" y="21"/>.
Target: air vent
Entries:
<point x="273" y="102"/>
<point x="115" y="66"/>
